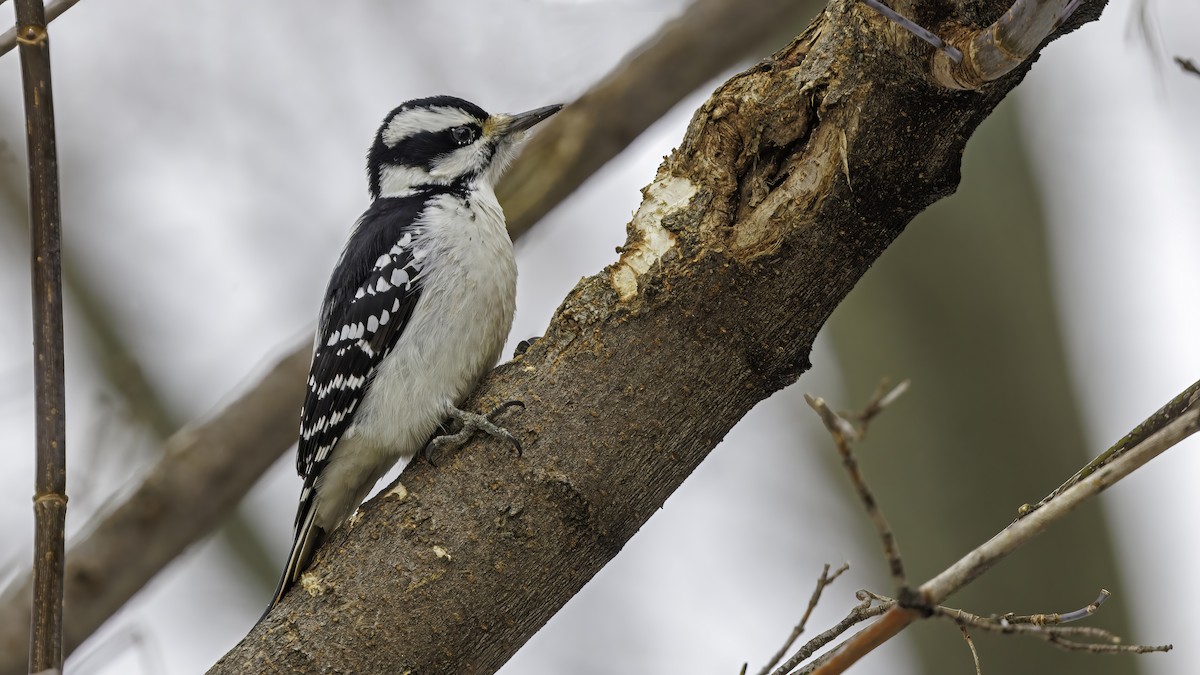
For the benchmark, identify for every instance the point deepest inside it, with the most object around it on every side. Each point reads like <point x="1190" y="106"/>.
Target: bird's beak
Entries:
<point x="515" y="124"/>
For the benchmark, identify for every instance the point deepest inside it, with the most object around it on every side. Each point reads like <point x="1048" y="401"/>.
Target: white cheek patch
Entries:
<point x="416" y="120"/>
<point x="459" y="162"/>
<point x="398" y="181"/>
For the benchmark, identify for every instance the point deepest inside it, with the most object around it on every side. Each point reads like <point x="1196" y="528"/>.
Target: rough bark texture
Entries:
<point x="125" y="548"/>
<point x="792" y="179"/>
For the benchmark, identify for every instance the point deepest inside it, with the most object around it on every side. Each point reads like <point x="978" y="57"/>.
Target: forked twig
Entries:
<point x="824" y="580"/>
<point x="844" y="433"/>
<point x="1177" y="420"/>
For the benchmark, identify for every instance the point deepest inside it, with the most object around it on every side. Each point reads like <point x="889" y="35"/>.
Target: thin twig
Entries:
<point x="971" y="644"/>
<point x="1171" y="410"/>
<point x="1182" y="424"/>
<point x="843" y="433"/>
<point x="50" y="496"/>
<point x="54" y="9"/>
<point x="885" y="394"/>
<point x="867" y="609"/>
<point x="1049" y="627"/>
<point x="824" y="580"/>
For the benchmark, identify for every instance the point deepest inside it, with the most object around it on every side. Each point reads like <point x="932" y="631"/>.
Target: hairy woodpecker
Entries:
<point x="417" y="310"/>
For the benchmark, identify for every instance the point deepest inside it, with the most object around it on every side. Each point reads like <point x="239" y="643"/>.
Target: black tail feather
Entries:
<point x="307" y="540"/>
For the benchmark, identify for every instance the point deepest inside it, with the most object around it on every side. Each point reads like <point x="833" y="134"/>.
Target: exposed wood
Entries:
<point x="792" y="179"/>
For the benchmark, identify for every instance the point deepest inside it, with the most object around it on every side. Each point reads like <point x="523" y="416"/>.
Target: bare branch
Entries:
<point x="1171" y="410"/>
<point x="843" y="433"/>
<point x="54" y="9"/>
<point x="971" y="644"/>
<point x="45" y="223"/>
<point x="866" y="609"/>
<point x="1048" y="627"/>
<point x="1182" y="423"/>
<point x="824" y="580"/>
<point x="205" y="471"/>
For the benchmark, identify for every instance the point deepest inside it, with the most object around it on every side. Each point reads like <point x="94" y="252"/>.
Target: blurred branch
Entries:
<point x="54" y="9"/>
<point x="709" y="38"/>
<point x="1188" y="65"/>
<point x="204" y="473"/>
<point x="45" y="224"/>
<point x="108" y="580"/>
<point x="746" y="240"/>
<point x="1184" y="422"/>
<point x="118" y="364"/>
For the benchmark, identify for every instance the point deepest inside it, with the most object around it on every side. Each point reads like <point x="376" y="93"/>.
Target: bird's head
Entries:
<point x="444" y="140"/>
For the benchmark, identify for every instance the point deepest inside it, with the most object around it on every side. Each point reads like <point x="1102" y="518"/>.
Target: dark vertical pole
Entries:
<point x="50" y="496"/>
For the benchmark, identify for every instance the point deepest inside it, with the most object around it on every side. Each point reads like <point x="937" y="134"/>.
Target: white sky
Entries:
<point x="212" y="160"/>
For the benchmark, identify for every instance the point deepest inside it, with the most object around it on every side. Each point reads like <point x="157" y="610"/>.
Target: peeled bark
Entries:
<point x="791" y="181"/>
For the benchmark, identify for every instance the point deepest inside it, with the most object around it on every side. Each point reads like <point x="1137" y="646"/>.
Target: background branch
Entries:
<point x="1185" y="423"/>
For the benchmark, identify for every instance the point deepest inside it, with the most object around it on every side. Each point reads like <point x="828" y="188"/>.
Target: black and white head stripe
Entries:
<point x="370" y="298"/>
<point x="429" y="141"/>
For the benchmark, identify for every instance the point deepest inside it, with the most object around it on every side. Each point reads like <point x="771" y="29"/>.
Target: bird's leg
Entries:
<point x="469" y="423"/>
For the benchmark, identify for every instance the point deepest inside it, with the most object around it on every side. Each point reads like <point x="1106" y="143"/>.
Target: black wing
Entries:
<point x="370" y="298"/>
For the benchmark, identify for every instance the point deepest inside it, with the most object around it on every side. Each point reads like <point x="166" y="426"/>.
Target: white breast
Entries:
<point x="459" y="325"/>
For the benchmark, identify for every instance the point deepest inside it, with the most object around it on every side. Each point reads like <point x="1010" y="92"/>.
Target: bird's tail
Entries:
<point x="305" y="542"/>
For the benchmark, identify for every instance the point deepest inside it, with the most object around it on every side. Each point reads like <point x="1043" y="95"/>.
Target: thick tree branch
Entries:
<point x="792" y="179"/>
<point x="157" y="522"/>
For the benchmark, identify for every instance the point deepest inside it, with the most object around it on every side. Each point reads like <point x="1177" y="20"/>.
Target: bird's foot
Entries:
<point x="469" y="423"/>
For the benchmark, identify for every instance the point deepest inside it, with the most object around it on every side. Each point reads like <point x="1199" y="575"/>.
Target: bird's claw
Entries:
<point x="469" y="423"/>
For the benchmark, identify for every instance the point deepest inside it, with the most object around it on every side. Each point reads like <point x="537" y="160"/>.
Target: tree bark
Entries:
<point x="208" y="466"/>
<point x="792" y="179"/>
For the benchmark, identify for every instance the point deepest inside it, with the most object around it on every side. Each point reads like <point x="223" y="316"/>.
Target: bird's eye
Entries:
<point x="463" y="135"/>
